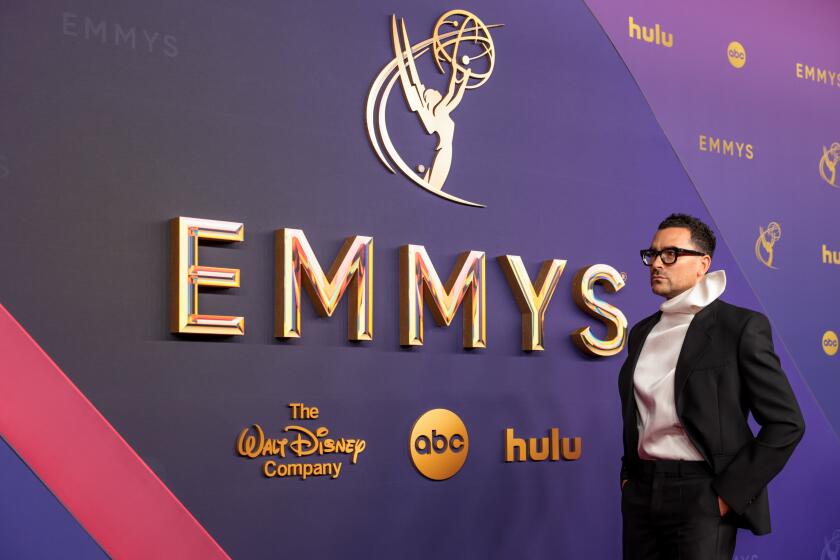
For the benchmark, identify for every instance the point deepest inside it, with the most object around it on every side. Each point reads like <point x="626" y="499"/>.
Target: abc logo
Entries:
<point x="439" y="444"/>
<point x="736" y="54"/>
<point x="829" y="343"/>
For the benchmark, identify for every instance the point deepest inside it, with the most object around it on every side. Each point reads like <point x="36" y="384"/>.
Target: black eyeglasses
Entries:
<point x="669" y="255"/>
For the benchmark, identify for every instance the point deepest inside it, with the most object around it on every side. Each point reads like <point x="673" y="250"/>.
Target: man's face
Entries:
<point x="669" y="280"/>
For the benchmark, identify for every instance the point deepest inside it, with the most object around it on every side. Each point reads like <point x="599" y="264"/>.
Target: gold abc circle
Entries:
<point x="736" y="54"/>
<point x="439" y="444"/>
<point x="829" y="343"/>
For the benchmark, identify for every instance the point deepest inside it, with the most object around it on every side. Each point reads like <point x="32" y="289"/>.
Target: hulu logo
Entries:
<point x="653" y="35"/>
<point x="829" y="256"/>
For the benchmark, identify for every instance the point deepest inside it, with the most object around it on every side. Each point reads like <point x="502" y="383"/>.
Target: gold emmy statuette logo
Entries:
<point x="736" y="54"/>
<point x="460" y="44"/>
<point x="439" y="444"/>
<point x="766" y="242"/>
<point x="828" y="164"/>
<point x="829" y="343"/>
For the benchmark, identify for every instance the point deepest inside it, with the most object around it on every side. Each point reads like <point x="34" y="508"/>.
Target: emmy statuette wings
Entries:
<point x="433" y="108"/>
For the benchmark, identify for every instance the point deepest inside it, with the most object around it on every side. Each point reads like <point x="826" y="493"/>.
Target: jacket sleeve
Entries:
<point x="770" y="398"/>
<point x="624" y="473"/>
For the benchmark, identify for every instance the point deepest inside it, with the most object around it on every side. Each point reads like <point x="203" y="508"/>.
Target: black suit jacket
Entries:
<point x="726" y="369"/>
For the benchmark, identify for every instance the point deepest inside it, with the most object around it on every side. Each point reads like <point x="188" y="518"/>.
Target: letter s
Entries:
<point x="170" y="43"/>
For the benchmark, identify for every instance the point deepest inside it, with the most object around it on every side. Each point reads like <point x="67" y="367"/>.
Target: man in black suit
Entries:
<point x="693" y="471"/>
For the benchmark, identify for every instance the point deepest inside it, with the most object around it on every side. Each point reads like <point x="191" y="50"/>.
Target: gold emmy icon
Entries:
<point x="828" y="164"/>
<point x="460" y="43"/>
<point x="766" y="241"/>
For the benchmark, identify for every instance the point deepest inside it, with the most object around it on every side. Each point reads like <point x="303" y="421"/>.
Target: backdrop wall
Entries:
<point x="119" y="117"/>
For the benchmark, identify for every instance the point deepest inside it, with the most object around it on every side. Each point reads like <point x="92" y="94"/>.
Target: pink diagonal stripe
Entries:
<point x="82" y="459"/>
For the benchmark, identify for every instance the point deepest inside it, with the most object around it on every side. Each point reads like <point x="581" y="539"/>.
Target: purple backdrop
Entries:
<point x="579" y="144"/>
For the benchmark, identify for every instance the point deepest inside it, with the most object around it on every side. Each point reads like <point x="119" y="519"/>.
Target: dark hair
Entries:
<point x="701" y="234"/>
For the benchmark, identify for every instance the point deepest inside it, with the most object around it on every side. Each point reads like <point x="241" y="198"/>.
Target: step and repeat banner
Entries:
<point x="323" y="280"/>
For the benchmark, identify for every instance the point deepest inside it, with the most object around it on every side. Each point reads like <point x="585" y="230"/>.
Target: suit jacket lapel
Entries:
<point x="694" y="346"/>
<point x="633" y="357"/>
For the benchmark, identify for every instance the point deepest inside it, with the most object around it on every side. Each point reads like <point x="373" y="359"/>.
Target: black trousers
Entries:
<point x="670" y="512"/>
